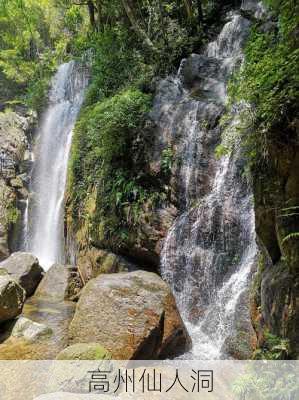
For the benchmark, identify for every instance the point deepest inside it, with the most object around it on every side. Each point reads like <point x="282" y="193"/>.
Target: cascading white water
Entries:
<point x="45" y="216"/>
<point x="210" y="250"/>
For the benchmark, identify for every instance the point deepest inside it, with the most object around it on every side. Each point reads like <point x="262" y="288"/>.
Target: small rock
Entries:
<point x="30" y="330"/>
<point x="24" y="268"/>
<point x="84" y="351"/>
<point x="12" y="297"/>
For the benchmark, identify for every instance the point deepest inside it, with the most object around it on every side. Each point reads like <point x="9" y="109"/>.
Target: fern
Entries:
<point x="294" y="235"/>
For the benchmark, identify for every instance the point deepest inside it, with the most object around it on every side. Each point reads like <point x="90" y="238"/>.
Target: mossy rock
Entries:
<point x="3" y="271"/>
<point x="84" y="351"/>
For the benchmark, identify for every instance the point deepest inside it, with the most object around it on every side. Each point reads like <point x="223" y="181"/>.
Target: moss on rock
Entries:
<point x="84" y="351"/>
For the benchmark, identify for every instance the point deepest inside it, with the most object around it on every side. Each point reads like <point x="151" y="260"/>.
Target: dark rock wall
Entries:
<point x="276" y="292"/>
<point x="15" y="134"/>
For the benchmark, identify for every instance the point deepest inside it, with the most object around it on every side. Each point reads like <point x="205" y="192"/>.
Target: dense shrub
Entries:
<point x="102" y="164"/>
<point x="116" y="64"/>
<point x="269" y="78"/>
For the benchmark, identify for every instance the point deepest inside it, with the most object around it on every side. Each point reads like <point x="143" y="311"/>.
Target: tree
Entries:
<point x="199" y="12"/>
<point x="135" y="25"/>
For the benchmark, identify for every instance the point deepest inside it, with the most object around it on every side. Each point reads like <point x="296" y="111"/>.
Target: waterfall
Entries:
<point x="210" y="250"/>
<point x="45" y="215"/>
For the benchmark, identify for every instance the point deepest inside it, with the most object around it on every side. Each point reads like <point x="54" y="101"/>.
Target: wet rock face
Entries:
<point x="24" y="268"/>
<point x="276" y="191"/>
<point x="14" y="155"/>
<point x="210" y="250"/>
<point x="13" y="141"/>
<point x="5" y="216"/>
<point x="243" y="341"/>
<point x="133" y="315"/>
<point x="12" y="297"/>
<point x="186" y="125"/>
<point x="254" y="9"/>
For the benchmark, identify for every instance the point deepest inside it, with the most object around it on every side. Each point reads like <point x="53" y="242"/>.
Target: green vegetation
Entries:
<point x="269" y="82"/>
<point x="102" y="161"/>
<point x="289" y="214"/>
<point x="167" y="160"/>
<point x="13" y="214"/>
<point x="269" y="381"/>
<point x="83" y="351"/>
<point x="221" y="150"/>
<point x="37" y="35"/>
<point x="32" y="43"/>
<point x="127" y="45"/>
<point x="109" y="187"/>
<point x="274" y="348"/>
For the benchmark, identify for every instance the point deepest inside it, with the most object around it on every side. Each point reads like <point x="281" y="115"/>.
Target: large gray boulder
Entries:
<point x="132" y="315"/>
<point x="12" y="297"/>
<point x="24" y="268"/>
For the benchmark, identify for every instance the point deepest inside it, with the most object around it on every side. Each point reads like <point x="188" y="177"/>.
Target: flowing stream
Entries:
<point x="209" y="252"/>
<point x="44" y="218"/>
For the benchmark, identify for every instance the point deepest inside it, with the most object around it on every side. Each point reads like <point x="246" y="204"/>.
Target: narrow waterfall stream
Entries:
<point x="45" y="215"/>
<point x="210" y="250"/>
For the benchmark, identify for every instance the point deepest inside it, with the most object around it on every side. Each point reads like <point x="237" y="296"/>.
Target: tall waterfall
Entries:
<point x="45" y="218"/>
<point x="210" y="250"/>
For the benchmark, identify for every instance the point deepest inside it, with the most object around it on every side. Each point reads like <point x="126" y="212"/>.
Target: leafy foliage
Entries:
<point x="269" y="79"/>
<point x="102" y="163"/>
<point x="167" y="160"/>
<point x="127" y="47"/>
<point x="268" y="381"/>
<point x="35" y="38"/>
<point x="274" y="348"/>
<point x="126" y="41"/>
<point x="117" y="64"/>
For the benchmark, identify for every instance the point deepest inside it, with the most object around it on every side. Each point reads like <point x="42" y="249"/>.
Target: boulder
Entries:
<point x="24" y="268"/>
<point x="96" y="261"/>
<point x="133" y="315"/>
<point x="60" y="283"/>
<point x="12" y="297"/>
<point x="29" y="330"/>
<point x="84" y="351"/>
